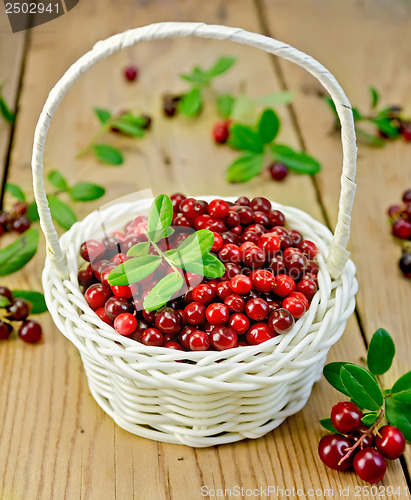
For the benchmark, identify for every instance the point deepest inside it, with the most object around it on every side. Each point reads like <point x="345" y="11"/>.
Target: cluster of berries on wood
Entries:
<point x="400" y="218"/>
<point x="269" y="281"/>
<point x="16" y="220"/>
<point x="357" y="446"/>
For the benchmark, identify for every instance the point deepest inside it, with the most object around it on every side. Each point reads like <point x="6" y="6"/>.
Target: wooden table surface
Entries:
<point x="55" y="441"/>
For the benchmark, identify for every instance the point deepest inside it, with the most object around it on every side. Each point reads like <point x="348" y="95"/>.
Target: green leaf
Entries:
<point x="193" y="247"/>
<point x="86" y="191"/>
<point x="299" y="162"/>
<point x="372" y="140"/>
<point x="356" y="114"/>
<point x="197" y="77"/>
<point x="369" y="419"/>
<point x="225" y="103"/>
<point x="128" y="128"/>
<point x="331" y="373"/>
<point x="245" y="167"/>
<point x="208" y="265"/>
<point x="362" y="387"/>
<point x="138" y="121"/>
<point x="163" y="291"/>
<point x="244" y="109"/>
<point x="222" y="65"/>
<point x="374" y="97"/>
<point x="108" y="154"/>
<point x="15" y="191"/>
<point x="331" y="105"/>
<point x="58" y="180"/>
<point x="17" y="254"/>
<point x="4" y="301"/>
<point x="139" y="250"/>
<point x="160" y="217"/>
<point x="381" y="352"/>
<point x="244" y="138"/>
<point x="399" y="414"/>
<point x="35" y="298"/>
<point x="401" y="390"/>
<point x="273" y="100"/>
<point x="326" y="423"/>
<point x="6" y="112"/>
<point x="61" y="212"/>
<point x="385" y="126"/>
<point x="133" y="270"/>
<point x="191" y="103"/>
<point x="268" y="125"/>
<point x="103" y="115"/>
<point x="32" y="213"/>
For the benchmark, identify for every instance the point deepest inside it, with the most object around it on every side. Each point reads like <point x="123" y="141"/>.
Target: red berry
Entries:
<point x="232" y="219"/>
<point x="346" y="417"/>
<point x="125" y="324"/>
<point x="239" y="323"/>
<point x="406" y="197"/>
<point x="30" y="331"/>
<point x="405" y="264"/>
<point x="203" y="293"/>
<point x="406" y="131"/>
<point x="131" y="73"/>
<point x="198" y="341"/>
<point x="115" y="306"/>
<point x="256" y="309"/>
<point x="194" y="313"/>
<point x="276" y="218"/>
<point x="230" y="253"/>
<point x="270" y="242"/>
<point x="173" y="345"/>
<point x="367" y="442"/>
<point x="221" y="131"/>
<point x="218" y="209"/>
<point x="92" y="250"/>
<point x="276" y="265"/>
<point x="119" y="259"/>
<point x="262" y="280"/>
<point x="241" y="284"/>
<point x="308" y="248"/>
<point x="281" y="321"/>
<point x="246" y="214"/>
<point x="223" y="338"/>
<point x="168" y="320"/>
<point x="296" y="264"/>
<point x="231" y="270"/>
<point x="261" y="221"/>
<point x="300" y="296"/>
<point x="258" y="333"/>
<point x="21" y="224"/>
<point x="176" y="199"/>
<point x="217" y="314"/>
<point x="234" y="303"/>
<point x="250" y="237"/>
<point x="370" y="465"/>
<point x="295" y="306"/>
<point x="332" y="449"/>
<point x="218" y="242"/>
<point x="125" y="292"/>
<point x="85" y="277"/>
<point x="242" y="200"/>
<point x="390" y="442"/>
<point x="101" y="313"/>
<point x="254" y="257"/>
<point x="308" y="287"/>
<point x="229" y="237"/>
<point x="185" y="334"/>
<point x="96" y="295"/>
<point x="283" y="285"/>
<point x="6" y="292"/>
<point x="152" y="337"/>
<point x="261" y="204"/>
<point x="402" y="229"/>
<point x="224" y="289"/>
<point x="5" y="330"/>
<point x="278" y="171"/>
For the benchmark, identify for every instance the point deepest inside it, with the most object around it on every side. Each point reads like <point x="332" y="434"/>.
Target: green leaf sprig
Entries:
<point x="126" y="123"/>
<point x="192" y="255"/>
<point x="258" y="142"/>
<point x="375" y="126"/>
<point x="191" y="103"/>
<point x="5" y="111"/>
<point x="362" y="386"/>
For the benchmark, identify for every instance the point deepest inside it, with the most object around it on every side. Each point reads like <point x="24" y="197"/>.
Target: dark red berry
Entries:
<point x="223" y="338"/>
<point x="21" y="224"/>
<point x="96" y="295"/>
<point x="246" y="214"/>
<point x="230" y="253"/>
<point x="239" y="323"/>
<point x="256" y="309"/>
<point x="367" y="442"/>
<point x="229" y="237"/>
<point x="242" y="200"/>
<point x="262" y="280"/>
<point x="223" y="289"/>
<point x="217" y="314"/>
<point x="370" y="465"/>
<point x="85" y="277"/>
<point x="20" y="208"/>
<point x="231" y="270"/>
<point x="235" y="303"/>
<point x="281" y="321"/>
<point x="406" y="197"/>
<point x="254" y="257"/>
<point x="261" y="204"/>
<point x="194" y="313"/>
<point x="405" y="264"/>
<point x="390" y="441"/>
<point x="198" y="341"/>
<point x="125" y="324"/>
<point x="171" y="344"/>
<point x="308" y="248"/>
<point x="276" y="265"/>
<point x="131" y="73"/>
<point x="6" y="292"/>
<point x="296" y="264"/>
<point x="18" y="310"/>
<point x="152" y="337"/>
<point x="5" y="330"/>
<point x="276" y="218"/>
<point x="283" y="285"/>
<point x="402" y="229"/>
<point x="278" y="171"/>
<point x="232" y="219"/>
<point x="92" y="250"/>
<point x="308" y="287"/>
<point x="258" y="333"/>
<point x="332" y="449"/>
<point x="30" y="331"/>
<point x="346" y="417"/>
<point x="168" y="320"/>
<point x="115" y="306"/>
<point x="241" y="284"/>
<point x="101" y="313"/>
<point x="221" y="131"/>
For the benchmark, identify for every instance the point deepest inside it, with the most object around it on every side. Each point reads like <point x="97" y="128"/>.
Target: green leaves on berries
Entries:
<point x="192" y="255"/>
<point x="15" y="191"/>
<point x="363" y="388"/>
<point x="108" y="154"/>
<point x="191" y="103"/>
<point x="200" y="77"/>
<point x="36" y="300"/>
<point x="61" y="212"/>
<point x="16" y="255"/>
<point x="5" y="112"/>
<point x="299" y="162"/>
<point x="245" y="167"/>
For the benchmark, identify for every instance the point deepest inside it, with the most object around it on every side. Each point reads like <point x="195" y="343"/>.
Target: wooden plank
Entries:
<point x="11" y="55"/>
<point x="347" y="39"/>
<point x="69" y="448"/>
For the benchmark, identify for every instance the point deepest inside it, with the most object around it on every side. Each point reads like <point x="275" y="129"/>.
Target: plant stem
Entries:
<point x="102" y="131"/>
<point x="371" y="430"/>
<point x="161" y="253"/>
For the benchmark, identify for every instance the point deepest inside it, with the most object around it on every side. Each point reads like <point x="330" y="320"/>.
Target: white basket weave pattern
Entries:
<point x="216" y="397"/>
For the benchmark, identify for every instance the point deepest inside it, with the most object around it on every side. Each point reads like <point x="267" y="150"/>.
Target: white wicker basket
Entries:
<point x="220" y="397"/>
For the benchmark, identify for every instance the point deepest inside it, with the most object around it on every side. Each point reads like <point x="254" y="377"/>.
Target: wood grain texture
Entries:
<point x="384" y="296"/>
<point x="55" y="442"/>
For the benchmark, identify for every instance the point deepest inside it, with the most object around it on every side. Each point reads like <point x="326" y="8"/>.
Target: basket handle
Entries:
<point x="338" y="255"/>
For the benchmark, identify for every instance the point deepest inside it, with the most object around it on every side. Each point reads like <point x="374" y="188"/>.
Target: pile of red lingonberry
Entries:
<point x="270" y="278"/>
<point x="359" y="446"/>
<point x="15" y="220"/>
<point x="400" y="218"/>
<point x="13" y="315"/>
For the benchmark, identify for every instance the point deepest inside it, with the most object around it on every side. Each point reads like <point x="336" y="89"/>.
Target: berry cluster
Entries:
<point x="15" y="220"/>
<point x="17" y="311"/>
<point x="270" y="278"/>
<point x="400" y="218"/>
<point x="359" y="446"/>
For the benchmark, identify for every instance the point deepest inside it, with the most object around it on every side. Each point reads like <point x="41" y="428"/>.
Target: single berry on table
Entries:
<point x="221" y="131"/>
<point x="278" y="171"/>
<point x="405" y="264"/>
<point x="18" y="310"/>
<point x="402" y="229"/>
<point x="30" y="331"/>
<point x="332" y="449"/>
<point x="131" y="73"/>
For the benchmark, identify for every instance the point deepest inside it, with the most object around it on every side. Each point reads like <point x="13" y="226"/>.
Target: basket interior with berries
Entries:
<point x="205" y="320"/>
